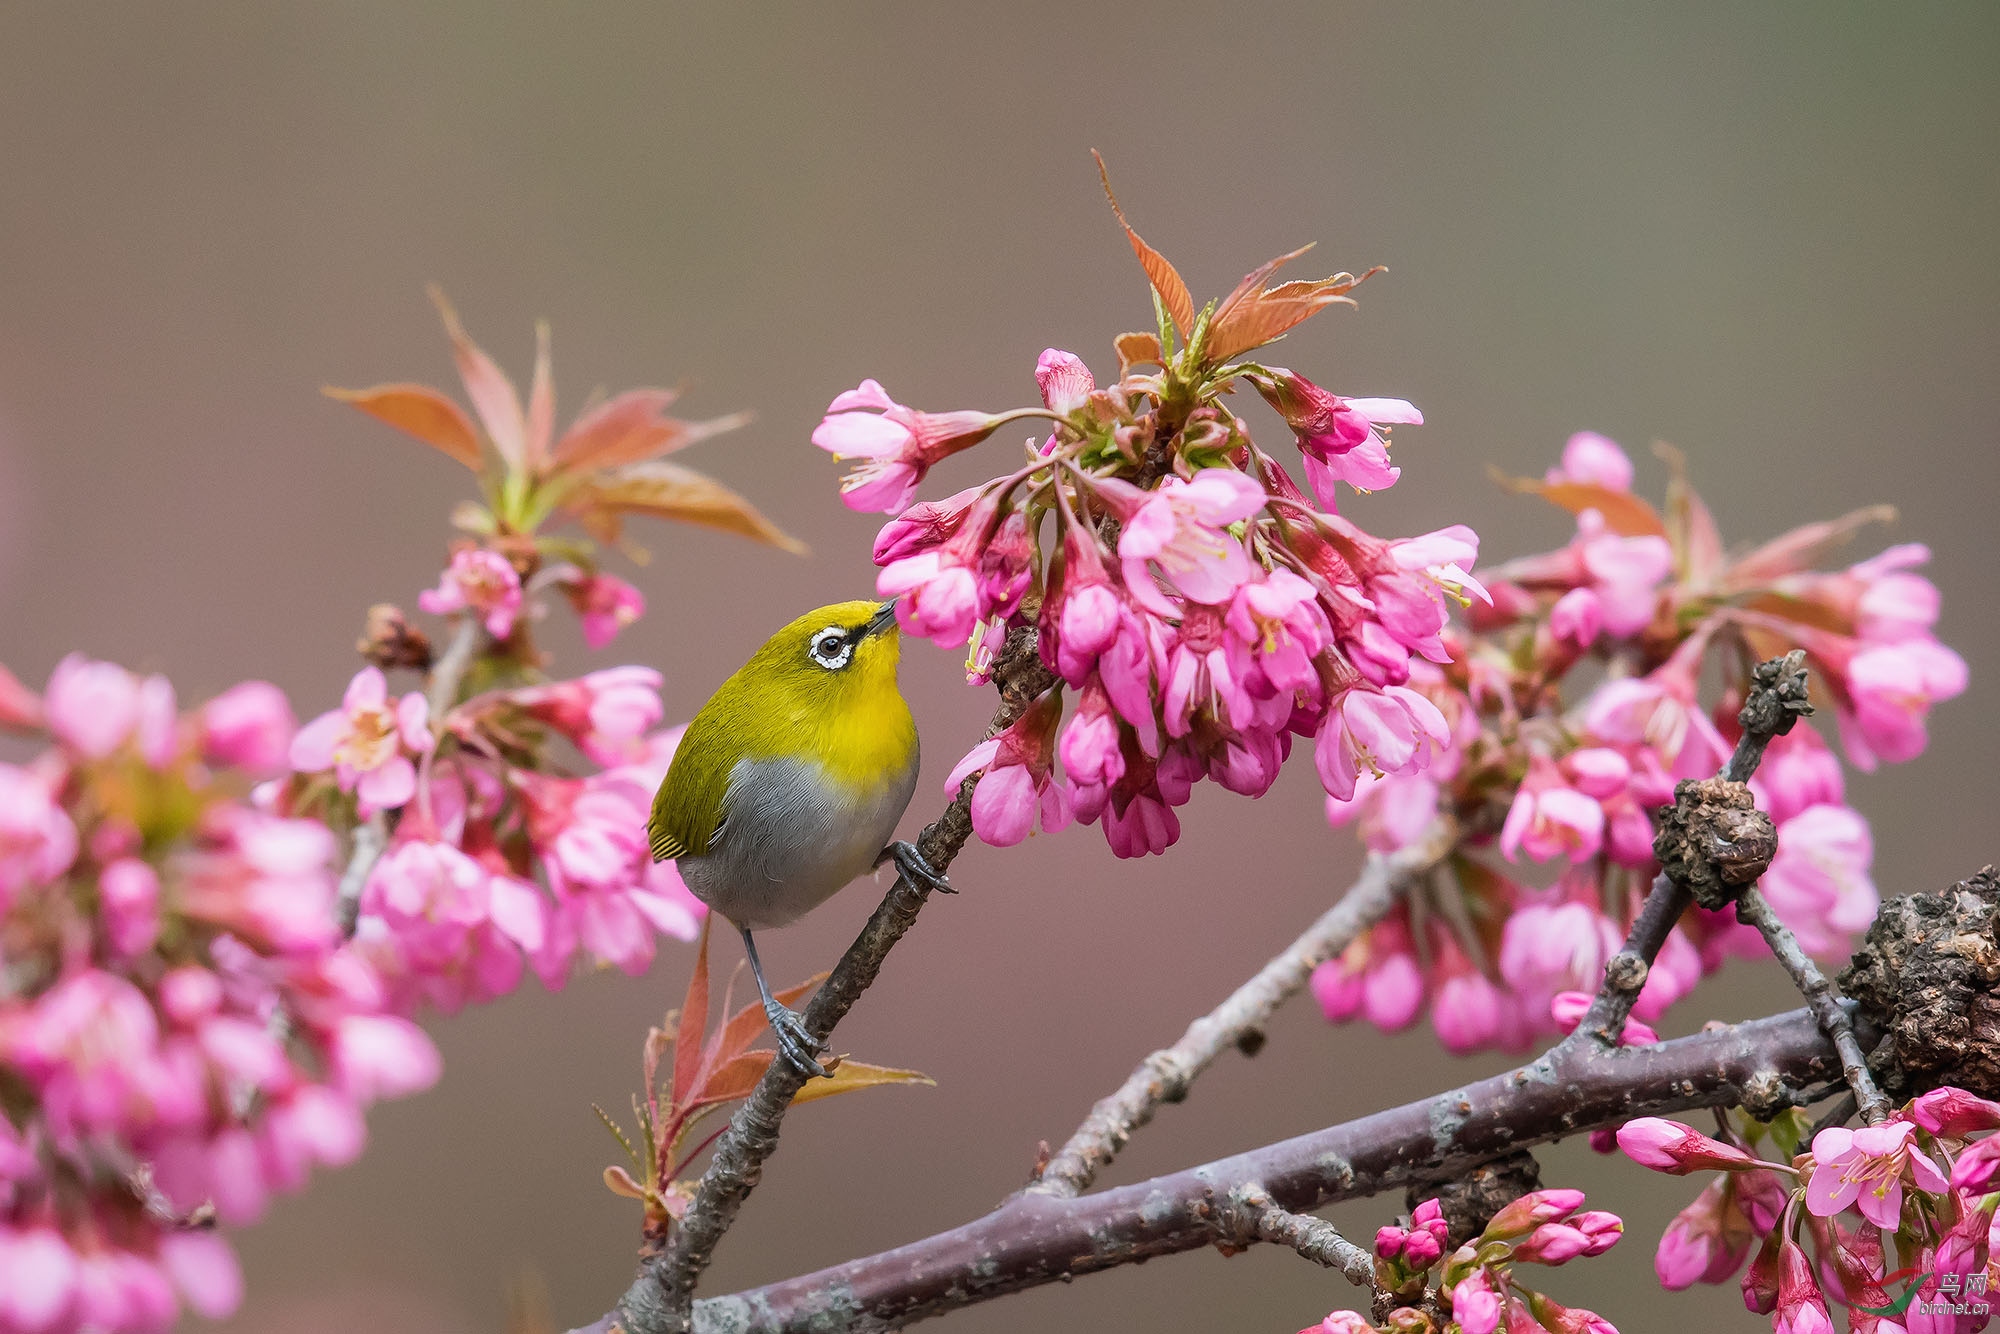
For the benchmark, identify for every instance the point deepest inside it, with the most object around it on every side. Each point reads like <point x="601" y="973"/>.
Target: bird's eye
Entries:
<point x="830" y="648"/>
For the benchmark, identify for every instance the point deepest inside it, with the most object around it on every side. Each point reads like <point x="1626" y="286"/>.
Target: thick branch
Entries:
<point x="1165" y="1076"/>
<point x="1037" y="1238"/>
<point x="659" y="1300"/>
<point x="1822" y="998"/>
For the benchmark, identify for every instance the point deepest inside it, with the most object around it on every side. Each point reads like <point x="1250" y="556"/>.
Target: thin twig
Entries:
<point x="1166" y="1075"/>
<point x="1036" y="1238"/>
<point x="1822" y="998"/>
<point x="1264" y="1219"/>
<point x="660" y="1300"/>
<point x="449" y="673"/>
<point x="371" y="839"/>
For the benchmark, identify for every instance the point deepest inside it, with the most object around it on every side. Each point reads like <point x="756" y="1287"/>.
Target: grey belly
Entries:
<point x="789" y="840"/>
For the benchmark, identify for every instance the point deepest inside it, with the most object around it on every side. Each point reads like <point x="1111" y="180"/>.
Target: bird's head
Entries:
<point x="835" y="649"/>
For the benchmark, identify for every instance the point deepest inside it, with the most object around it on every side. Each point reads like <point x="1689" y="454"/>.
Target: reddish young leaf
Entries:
<point x="493" y="395"/>
<point x="1137" y="349"/>
<point x="1259" y="317"/>
<point x="541" y="401"/>
<point x="1165" y="279"/>
<point x="1624" y="513"/>
<point x="1802" y="547"/>
<point x="669" y="491"/>
<point x="693" y="1026"/>
<point x="733" y="1079"/>
<point x="620" y="1182"/>
<point x="744" y="1026"/>
<point x="1691" y="529"/>
<point x="421" y="411"/>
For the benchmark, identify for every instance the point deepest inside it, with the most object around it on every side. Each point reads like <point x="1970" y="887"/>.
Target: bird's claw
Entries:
<point x="914" y="868"/>
<point x="795" y="1044"/>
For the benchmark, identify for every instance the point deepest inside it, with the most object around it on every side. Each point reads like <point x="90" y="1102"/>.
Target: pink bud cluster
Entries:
<point x="1204" y="610"/>
<point x="1559" y="786"/>
<point x="1918" y="1180"/>
<point x="183" y="1031"/>
<point x="1478" y="1288"/>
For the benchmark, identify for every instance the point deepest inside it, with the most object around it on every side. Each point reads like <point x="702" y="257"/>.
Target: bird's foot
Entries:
<point x="914" y="868"/>
<point x="795" y="1044"/>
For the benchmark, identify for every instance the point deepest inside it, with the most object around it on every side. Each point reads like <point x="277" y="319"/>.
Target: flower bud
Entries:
<point x="1530" y="1211"/>
<point x="1676" y="1149"/>
<point x="1954" y="1113"/>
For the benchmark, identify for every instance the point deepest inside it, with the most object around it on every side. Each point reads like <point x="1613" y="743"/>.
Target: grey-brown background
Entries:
<point x="1764" y="233"/>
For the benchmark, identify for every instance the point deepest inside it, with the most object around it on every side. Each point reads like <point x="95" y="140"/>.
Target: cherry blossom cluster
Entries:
<point x="1478" y="1288"/>
<point x="493" y="853"/>
<point x="1201" y="608"/>
<point x="1824" y="1219"/>
<point x="183" y="1031"/>
<point x="1551" y="784"/>
<point x="215" y="926"/>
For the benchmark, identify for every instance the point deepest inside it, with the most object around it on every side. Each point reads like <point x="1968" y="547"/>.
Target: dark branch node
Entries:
<point x="1469" y="1202"/>
<point x="1713" y="840"/>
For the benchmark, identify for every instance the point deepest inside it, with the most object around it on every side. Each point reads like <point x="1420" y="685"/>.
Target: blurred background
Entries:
<point x="1762" y="233"/>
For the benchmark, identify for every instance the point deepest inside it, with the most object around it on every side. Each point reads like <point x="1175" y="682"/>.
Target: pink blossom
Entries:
<point x="926" y="524"/>
<point x="1475" y="1305"/>
<point x="128" y="892"/>
<point x="1697" y="1246"/>
<point x="1577" y="617"/>
<point x="937" y="592"/>
<point x="1550" y="819"/>
<point x="1392" y="991"/>
<point x="1553" y="946"/>
<point x="157" y="733"/>
<point x="1065" y="382"/>
<point x="1340" y="1322"/>
<point x="1677" y="1149"/>
<point x="607" y="714"/>
<point x="1389" y="731"/>
<point x="1818" y="883"/>
<point x="1138" y="821"/>
<point x="249" y="727"/>
<point x="896" y="445"/>
<point x="1393" y="812"/>
<point x="37" y="837"/>
<point x="204" y="1271"/>
<point x="482" y="582"/>
<point x="1801" y="1308"/>
<point x="1798" y="771"/>
<point x="605" y="604"/>
<point x="1625" y="573"/>
<point x="1658" y="712"/>
<point x="91" y="706"/>
<point x="1977" y="1168"/>
<point x="1524" y="1214"/>
<point x="1338" y="436"/>
<point x="1891" y="603"/>
<point x="1016" y="784"/>
<point x="1891" y="688"/>
<point x="1568" y="1008"/>
<point x="1179" y="529"/>
<point x="1954" y="1113"/>
<point x="1594" y="460"/>
<point x="1586" y="1234"/>
<point x="363" y="742"/>
<point x="381" y="1056"/>
<point x="265" y="878"/>
<point x="1337" y="984"/>
<point x="1085" y="610"/>
<point x="1865" y="1168"/>
<point x="1280" y="622"/>
<point x="38" y="1279"/>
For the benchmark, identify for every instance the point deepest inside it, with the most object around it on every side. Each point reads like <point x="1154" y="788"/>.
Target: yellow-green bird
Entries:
<point x="789" y="783"/>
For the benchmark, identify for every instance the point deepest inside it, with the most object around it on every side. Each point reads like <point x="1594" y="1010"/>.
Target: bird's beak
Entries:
<point x="884" y="617"/>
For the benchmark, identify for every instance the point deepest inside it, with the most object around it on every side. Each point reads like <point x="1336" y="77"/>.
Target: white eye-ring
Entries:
<point x="830" y="648"/>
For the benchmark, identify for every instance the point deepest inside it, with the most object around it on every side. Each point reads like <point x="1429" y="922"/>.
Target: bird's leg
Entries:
<point x="794" y="1043"/>
<point x="913" y="866"/>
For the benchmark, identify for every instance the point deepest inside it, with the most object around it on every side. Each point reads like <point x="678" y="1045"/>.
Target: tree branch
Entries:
<point x="1166" y="1075"/>
<point x="1036" y="1238"/>
<point x="659" y="1301"/>
<point x="1823" y="999"/>
<point x="1264" y="1219"/>
<point x="1776" y="701"/>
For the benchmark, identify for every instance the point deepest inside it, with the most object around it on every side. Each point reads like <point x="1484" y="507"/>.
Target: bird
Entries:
<point x="789" y="782"/>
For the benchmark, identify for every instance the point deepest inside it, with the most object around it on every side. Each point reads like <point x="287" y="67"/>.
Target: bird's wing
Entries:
<point x="687" y="810"/>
